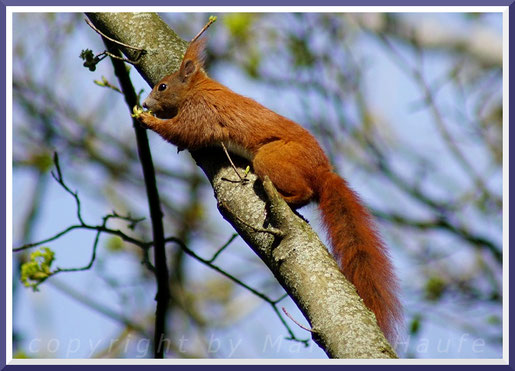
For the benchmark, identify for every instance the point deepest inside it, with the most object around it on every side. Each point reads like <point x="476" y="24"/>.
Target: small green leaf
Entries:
<point x="37" y="269"/>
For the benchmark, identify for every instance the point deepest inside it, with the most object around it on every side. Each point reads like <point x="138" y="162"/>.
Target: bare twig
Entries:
<point x="59" y="179"/>
<point x="91" y="261"/>
<point x="219" y="251"/>
<point x="97" y="238"/>
<point x="295" y="321"/>
<point x="102" y="228"/>
<point x="90" y="24"/>
<point x="99" y="228"/>
<point x="92" y="61"/>
<point x="244" y="179"/>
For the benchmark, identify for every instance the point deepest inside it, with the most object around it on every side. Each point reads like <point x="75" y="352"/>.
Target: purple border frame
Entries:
<point x="264" y="3"/>
<point x="3" y="200"/>
<point x="3" y="324"/>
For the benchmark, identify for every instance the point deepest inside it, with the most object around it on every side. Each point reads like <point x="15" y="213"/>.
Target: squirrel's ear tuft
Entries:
<point x="193" y="59"/>
<point x="195" y="52"/>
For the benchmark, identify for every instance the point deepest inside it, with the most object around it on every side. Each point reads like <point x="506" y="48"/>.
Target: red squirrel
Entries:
<point x="193" y="111"/>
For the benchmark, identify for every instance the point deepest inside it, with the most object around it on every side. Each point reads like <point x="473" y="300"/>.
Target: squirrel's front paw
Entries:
<point x="144" y="117"/>
<point x="137" y="111"/>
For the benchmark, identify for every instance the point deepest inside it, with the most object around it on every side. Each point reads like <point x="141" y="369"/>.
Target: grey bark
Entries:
<point x="341" y="325"/>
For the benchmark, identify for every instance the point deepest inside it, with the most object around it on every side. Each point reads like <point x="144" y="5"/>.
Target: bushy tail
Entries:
<point x="360" y="252"/>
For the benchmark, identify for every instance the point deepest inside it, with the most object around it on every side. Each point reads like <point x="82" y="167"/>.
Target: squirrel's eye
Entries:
<point x="161" y="87"/>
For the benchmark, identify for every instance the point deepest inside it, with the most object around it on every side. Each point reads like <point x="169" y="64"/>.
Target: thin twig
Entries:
<point x="113" y="54"/>
<point x="58" y="176"/>
<point x="91" y="261"/>
<point x="99" y="228"/>
<point x="273" y="303"/>
<point x="297" y="323"/>
<point x="59" y="179"/>
<point x="219" y="251"/>
<point x="146" y="261"/>
<point x="208" y="262"/>
<point x="242" y="179"/>
<point x="90" y="24"/>
<point x="281" y="298"/>
<point x="95" y="243"/>
<point x="212" y="20"/>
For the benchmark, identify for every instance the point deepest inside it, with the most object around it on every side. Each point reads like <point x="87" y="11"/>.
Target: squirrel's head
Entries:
<point x="168" y="94"/>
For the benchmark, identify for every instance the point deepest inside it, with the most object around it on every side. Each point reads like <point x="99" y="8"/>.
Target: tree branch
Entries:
<point x="156" y="215"/>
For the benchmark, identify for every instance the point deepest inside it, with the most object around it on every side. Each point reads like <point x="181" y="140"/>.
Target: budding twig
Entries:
<point x="212" y="19"/>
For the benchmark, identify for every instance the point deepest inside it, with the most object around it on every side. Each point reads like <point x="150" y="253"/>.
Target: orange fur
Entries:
<point x="200" y="112"/>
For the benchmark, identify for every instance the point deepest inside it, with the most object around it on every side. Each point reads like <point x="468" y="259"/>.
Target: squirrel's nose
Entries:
<point x="145" y="105"/>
